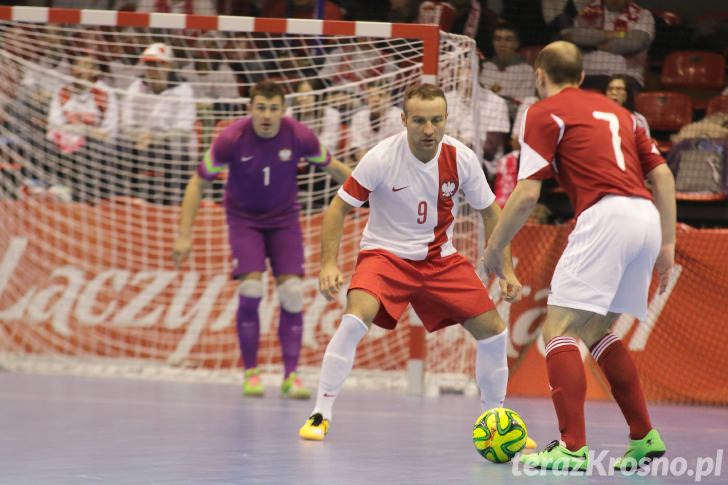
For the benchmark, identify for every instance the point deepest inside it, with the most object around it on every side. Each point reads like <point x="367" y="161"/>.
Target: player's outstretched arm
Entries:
<point x="515" y="214"/>
<point x="330" y="278"/>
<point x="510" y="286"/>
<point x="663" y="189"/>
<point x="190" y="204"/>
<point x="339" y="171"/>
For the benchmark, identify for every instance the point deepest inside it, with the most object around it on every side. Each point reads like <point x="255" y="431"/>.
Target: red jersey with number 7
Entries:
<point x="589" y="144"/>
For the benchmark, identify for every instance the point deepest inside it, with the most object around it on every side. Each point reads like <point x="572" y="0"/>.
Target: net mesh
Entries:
<point x="98" y="165"/>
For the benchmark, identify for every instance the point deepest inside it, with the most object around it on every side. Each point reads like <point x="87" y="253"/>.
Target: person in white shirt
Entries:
<point x="508" y="74"/>
<point x="158" y="127"/>
<point x="210" y="75"/>
<point x="309" y="107"/>
<point x="82" y="121"/>
<point x="615" y="35"/>
<point x="411" y="181"/>
<point x="377" y="121"/>
<point x="493" y="123"/>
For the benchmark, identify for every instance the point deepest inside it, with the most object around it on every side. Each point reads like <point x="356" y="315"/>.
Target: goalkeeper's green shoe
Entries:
<point x="640" y="452"/>
<point x="293" y="388"/>
<point x="556" y="456"/>
<point x="253" y="386"/>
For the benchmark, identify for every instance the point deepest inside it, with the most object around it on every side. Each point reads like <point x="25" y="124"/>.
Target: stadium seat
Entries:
<point x="693" y="69"/>
<point x="717" y="104"/>
<point x="530" y="52"/>
<point x="665" y="111"/>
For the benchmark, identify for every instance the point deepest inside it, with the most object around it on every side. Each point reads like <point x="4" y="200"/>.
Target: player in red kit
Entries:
<point x="411" y="181"/>
<point x="600" y="155"/>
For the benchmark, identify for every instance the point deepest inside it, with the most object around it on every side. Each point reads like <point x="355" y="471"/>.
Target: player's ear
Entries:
<point x="581" y="78"/>
<point x="404" y="119"/>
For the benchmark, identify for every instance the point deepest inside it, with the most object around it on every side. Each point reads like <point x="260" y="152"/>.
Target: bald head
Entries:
<point x="561" y="61"/>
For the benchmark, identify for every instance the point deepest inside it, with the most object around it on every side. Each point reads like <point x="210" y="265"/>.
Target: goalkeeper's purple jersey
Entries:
<point x="261" y="183"/>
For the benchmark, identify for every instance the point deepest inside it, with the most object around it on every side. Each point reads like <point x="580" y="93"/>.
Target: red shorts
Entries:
<point x="443" y="292"/>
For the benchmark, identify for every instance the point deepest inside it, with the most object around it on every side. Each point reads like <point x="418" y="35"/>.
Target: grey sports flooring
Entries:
<point x="68" y="430"/>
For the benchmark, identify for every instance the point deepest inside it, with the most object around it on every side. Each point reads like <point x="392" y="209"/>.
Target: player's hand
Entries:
<point x="663" y="265"/>
<point x="182" y="249"/>
<point x="510" y="288"/>
<point x="493" y="262"/>
<point x="330" y="281"/>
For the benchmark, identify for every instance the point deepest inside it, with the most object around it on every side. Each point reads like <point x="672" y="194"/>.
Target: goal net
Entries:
<point x="103" y="118"/>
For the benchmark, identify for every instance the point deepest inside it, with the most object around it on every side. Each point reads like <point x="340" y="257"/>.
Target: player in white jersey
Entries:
<point x="411" y="181"/>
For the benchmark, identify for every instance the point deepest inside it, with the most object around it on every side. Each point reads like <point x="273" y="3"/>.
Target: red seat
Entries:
<point x="718" y="104"/>
<point x="693" y="69"/>
<point x="665" y="111"/>
<point x="530" y="52"/>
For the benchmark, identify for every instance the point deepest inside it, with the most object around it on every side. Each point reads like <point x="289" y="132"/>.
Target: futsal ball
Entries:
<point x="499" y="434"/>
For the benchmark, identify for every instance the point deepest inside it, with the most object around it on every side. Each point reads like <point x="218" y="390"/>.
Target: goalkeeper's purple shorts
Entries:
<point x="251" y="243"/>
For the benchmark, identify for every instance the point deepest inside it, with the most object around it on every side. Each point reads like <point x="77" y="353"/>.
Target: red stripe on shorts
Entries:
<point x="448" y="170"/>
<point x="356" y="190"/>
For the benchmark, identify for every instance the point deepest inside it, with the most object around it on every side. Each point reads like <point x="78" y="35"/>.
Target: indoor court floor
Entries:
<point x="78" y="430"/>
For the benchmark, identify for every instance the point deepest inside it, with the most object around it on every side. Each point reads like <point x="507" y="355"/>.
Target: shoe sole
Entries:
<point x="651" y="455"/>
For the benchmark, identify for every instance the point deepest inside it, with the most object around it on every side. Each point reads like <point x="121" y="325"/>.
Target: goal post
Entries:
<point x="85" y="275"/>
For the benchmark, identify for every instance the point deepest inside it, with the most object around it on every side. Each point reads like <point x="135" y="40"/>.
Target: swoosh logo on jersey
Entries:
<point x="245" y="159"/>
<point x="397" y="189"/>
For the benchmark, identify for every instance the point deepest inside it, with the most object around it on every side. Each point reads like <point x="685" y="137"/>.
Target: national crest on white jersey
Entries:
<point x="449" y="187"/>
<point x="284" y="155"/>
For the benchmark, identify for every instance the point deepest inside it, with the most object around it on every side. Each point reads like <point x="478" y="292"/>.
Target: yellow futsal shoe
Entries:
<point x="252" y="386"/>
<point x="530" y="444"/>
<point x="293" y="388"/>
<point x="315" y="429"/>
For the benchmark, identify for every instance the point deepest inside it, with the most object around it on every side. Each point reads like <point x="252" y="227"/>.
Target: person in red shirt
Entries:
<point x="601" y="156"/>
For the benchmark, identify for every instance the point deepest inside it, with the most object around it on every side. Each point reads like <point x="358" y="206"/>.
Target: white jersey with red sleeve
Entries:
<point x="592" y="146"/>
<point x="413" y="204"/>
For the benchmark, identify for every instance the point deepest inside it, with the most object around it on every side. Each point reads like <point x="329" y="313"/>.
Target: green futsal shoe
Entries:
<point x="293" y="388"/>
<point x="252" y="386"/>
<point x="556" y="456"/>
<point x="640" y="452"/>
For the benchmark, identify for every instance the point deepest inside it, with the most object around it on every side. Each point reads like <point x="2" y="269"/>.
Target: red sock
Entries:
<point x="620" y="371"/>
<point x="568" y="389"/>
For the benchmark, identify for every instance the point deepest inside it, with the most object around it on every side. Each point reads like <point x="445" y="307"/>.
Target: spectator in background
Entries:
<point x="82" y="121"/>
<point x="209" y="74"/>
<point x="377" y="121"/>
<point x="309" y="108"/>
<point x="405" y="11"/>
<point x="36" y="79"/>
<point x="353" y="62"/>
<point x="158" y="126"/>
<point x="199" y="7"/>
<point x="466" y="17"/>
<point x="243" y="58"/>
<point x="302" y="9"/>
<point x="618" y="90"/>
<point x="493" y="122"/>
<point x="615" y="36"/>
<point x="508" y="74"/>
<point x="124" y="66"/>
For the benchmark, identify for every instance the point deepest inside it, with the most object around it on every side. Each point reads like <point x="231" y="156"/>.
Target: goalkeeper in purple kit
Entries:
<point x="261" y="154"/>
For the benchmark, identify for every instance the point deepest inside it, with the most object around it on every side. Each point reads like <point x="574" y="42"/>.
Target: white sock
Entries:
<point x="491" y="370"/>
<point x="338" y="361"/>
